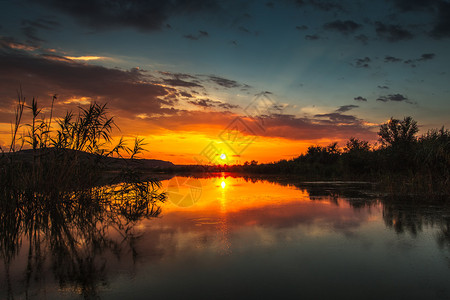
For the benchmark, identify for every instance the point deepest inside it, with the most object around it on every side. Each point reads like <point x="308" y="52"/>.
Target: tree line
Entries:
<point x="403" y="161"/>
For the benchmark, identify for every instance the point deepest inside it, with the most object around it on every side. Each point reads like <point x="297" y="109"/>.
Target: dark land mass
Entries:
<point x="109" y="163"/>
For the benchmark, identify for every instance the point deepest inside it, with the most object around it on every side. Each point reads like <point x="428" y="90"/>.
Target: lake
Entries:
<point x="230" y="237"/>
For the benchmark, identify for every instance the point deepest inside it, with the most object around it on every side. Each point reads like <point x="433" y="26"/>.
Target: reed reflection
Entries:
<point x="72" y="234"/>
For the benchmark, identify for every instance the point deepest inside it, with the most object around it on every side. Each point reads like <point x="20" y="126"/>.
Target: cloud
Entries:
<point x="362" y="38"/>
<point x="87" y="57"/>
<point x="345" y="108"/>
<point x="391" y="59"/>
<point x="208" y="103"/>
<point x="198" y="36"/>
<point x="338" y="118"/>
<point x="228" y="105"/>
<point x="363" y="62"/>
<point x="185" y="94"/>
<point x="394" y="98"/>
<point x="30" y="28"/>
<point x="42" y="24"/>
<point x="438" y="9"/>
<point x="392" y="33"/>
<point x="178" y="79"/>
<point x="204" y="102"/>
<point x="302" y="27"/>
<point x="442" y="27"/>
<point x="426" y="56"/>
<point x="344" y="27"/>
<point x="423" y="57"/>
<point x="12" y="44"/>
<point x="228" y="83"/>
<point x="181" y="82"/>
<point x="413" y="5"/>
<point x="312" y="37"/>
<point x="383" y="87"/>
<point x="330" y="126"/>
<point x="360" y="98"/>
<point x="143" y="15"/>
<point x="324" y="5"/>
<point x="128" y="91"/>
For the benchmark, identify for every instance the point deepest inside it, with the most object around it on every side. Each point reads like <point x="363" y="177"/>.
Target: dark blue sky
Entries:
<point x="344" y="64"/>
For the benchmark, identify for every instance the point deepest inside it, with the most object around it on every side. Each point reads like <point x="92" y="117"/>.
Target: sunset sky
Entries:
<point x="187" y="75"/>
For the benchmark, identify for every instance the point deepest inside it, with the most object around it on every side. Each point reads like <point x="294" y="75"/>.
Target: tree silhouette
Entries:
<point x="396" y="132"/>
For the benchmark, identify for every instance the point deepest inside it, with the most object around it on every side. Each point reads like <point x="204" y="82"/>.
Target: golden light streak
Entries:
<point x="86" y="58"/>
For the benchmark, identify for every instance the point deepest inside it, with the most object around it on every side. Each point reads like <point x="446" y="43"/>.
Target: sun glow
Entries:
<point x="223" y="184"/>
<point x="223" y="156"/>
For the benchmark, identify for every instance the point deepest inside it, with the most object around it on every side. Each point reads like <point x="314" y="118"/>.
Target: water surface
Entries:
<point x="225" y="238"/>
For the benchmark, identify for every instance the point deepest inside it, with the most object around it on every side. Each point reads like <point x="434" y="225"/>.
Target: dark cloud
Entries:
<point x="362" y="38"/>
<point x="423" y="57"/>
<point x="426" y="56"/>
<point x="345" y="108"/>
<point x="383" y="87"/>
<point x="338" y="118"/>
<point x="410" y="62"/>
<point x="180" y="79"/>
<point x="144" y="15"/>
<point x="185" y="94"/>
<point x="363" y="62"/>
<point x="42" y="23"/>
<point x="442" y="26"/>
<point x="204" y="102"/>
<point x="181" y="82"/>
<point x="177" y="75"/>
<point x="208" y="103"/>
<point x="414" y="5"/>
<point x="324" y="5"/>
<point x="302" y="27"/>
<point x="129" y="91"/>
<point x="392" y="33"/>
<point x="198" y="36"/>
<point x="393" y="97"/>
<point x="270" y="4"/>
<point x="439" y="10"/>
<point x="360" y="98"/>
<point x="228" y="83"/>
<point x="391" y="59"/>
<point x="30" y="28"/>
<point x="228" y="106"/>
<point x="312" y="37"/>
<point x="31" y="34"/>
<point x="344" y="27"/>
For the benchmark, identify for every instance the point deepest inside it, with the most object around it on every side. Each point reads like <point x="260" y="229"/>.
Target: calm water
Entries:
<point x="228" y="238"/>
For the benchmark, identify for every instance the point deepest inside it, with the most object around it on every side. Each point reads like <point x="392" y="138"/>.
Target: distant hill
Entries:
<point x="110" y="163"/>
